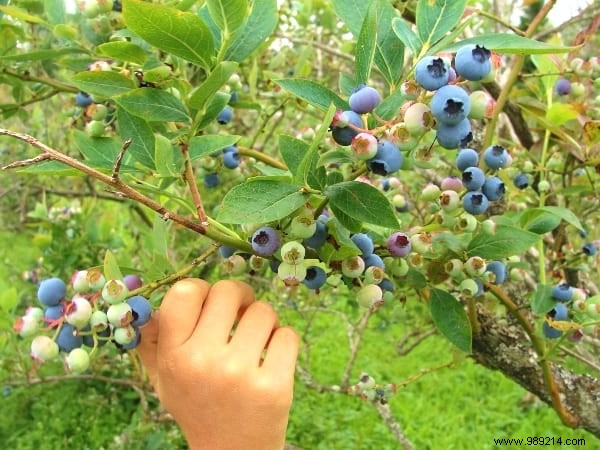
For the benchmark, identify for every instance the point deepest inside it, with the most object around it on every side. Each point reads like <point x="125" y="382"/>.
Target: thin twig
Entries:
<point x="27" y="162"/>
<point x="403" y="348"/>
<point x="191" y="181"/>
<point x="262" y="157"/>
<point x="386" y="414"/>
<point x="355" y="342"/>
<point x="581" y="358"/>
<point x="44" y="80"/>
<point x="119" y="160"/>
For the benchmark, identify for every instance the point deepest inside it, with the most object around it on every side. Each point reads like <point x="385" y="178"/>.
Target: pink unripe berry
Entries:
<point x="43" y="349"/>
<point x="26" y="326"/>
<point x="132" y="282"/>
<point x="78" y="360"/>
<point x="364" y="146"/>
<point x="482" y="105"/>
<point x="114" y="291"/>
<point x="452" y="184"/>
<point x="369" y="295"/>
<point x="35" y="312"/>
<point x="78" y="311"/>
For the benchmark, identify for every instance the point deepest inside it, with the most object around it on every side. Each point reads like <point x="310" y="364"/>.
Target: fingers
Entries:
<point x="179" y="312"/>
<point x="253" y="331"/>
<point x="226" y="301"/>
<point x="148" y="346"/>
<point x="282" y="353"/>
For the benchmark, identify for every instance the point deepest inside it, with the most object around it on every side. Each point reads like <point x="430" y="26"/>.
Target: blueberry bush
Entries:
<point x="350" y="160"/>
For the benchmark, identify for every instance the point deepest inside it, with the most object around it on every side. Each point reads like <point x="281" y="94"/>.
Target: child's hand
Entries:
<point x="218" y="388"/>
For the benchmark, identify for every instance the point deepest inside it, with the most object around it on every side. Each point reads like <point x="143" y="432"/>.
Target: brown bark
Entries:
<point x="504" y="346"/>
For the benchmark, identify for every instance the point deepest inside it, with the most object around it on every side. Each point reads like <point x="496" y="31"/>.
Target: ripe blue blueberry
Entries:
<point x="589" y="249"/>
<point x="231" y="160"/>
<point x="51" y="291"/>
<point x="229" y="149"/>
<point x="399" y="244"/>
<point x="315" y="277"/>
<point x="226" y="251"/>
<point x="475" y="203"/>
<point x="225" y="115"/>
<point x="559" y="312"/>
<point x="364" y="100"/>
<point x="341" y="132"/>
<point x="466" y="157"/>
<point x="82" y="99"/>
<point x="319" y="236"/>
<point x="388" y="158"/>
<point x="562" y="86"/>
<point x="473" y="62"/>
<point x="234" y="98"/>
<point x="374" y="260"/>
<point x="450" y="104"/>
<point x="364" y="243"/>
<point x="493" y="188"/>
<point x="211" y="180"/>
<point x="141" y="310"/>
<point x="495" y="157"/>
<point x="67" y="339"/>
<point x="454" y="136"/>
<point x="521" y="180"/>
<point x="549" y="332"/>
<point x="562" y="292"/>
<point x="431" y="73"/>
<point x="473" y="178"/>
<point x="53" y="312"/>
<point x="387" y="285"/>
<point x="265" y="241"/>
<point x="498" y="268"/>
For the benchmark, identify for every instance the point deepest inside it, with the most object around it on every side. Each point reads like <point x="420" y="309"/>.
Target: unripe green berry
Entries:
<point x="544" y="186"/>
<point x="114" y="291"/>
<point x="488" y="226"/>
<point x="449" y="200"/>
<point x="43" y="349"/>
<point x="469" y="287"/>
<point x="124" y="335"/>
<point x="78" y="361"/>
<point x="475" y="266"/>
<point x="120" y="314"/>
<point x="257" y="263"/>
<point x="418" y="119"/>
<point x="430" y="192"/>
<point x="482" y="105"/>
<point x="291" y="274"/>
<point x="302" y="226"/>
<point x="157" y="74"/>
<point x="577" y="90"/>
<point x="467" y="223"/>
<point x="353" y="267"/>
<point x="293" y="252"/>
<point x="26" y="326"/>
<point x="454" y="268"/>
<point x="80" y="282"/>
<point x="99" y="111"/>
<point x="234" y="265"/>
<point x="95" y="279"/>
<point x="527" y="167"/>
<point x="374" y="275"/>
<point x="369" y="295"/>
<point x="95" y="128"/>
<point x="98" y="321"/>
<point x="421" y="242"/>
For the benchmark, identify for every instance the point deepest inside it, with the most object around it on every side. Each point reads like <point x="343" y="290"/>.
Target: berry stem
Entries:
<point x="262" y="157"/>
<point x="191" y="180"/>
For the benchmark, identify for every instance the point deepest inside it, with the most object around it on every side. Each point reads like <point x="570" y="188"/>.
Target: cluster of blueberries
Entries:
<point x="98" y="312"/>
<point x="563" y="294"/>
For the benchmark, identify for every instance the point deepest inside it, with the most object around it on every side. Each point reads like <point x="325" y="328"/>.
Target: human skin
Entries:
<point x="223" y="389"/>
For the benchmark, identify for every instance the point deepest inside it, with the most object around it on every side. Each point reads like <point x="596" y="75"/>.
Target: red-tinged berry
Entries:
<point x="369" y="295"/>
<point x="482" y="105"/>
<point x="78" y="311"/>
<point x="132" y="282"/>
<point x="452" y="184"/>
<point x="265" y="241"/>
<point x="51" y="291"/>
<point x="26" y="326"/>
<point x="35" y="313"/>
<point x="399" y="244"/>
<point x="78" y="361"/>
<point x="114" y="291"/>
<point x="43" y="349"/>
<point x="364" y="146"/>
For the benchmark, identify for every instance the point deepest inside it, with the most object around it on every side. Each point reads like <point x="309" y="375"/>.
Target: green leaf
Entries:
<point x="201" y="146"/>
<point x="123" y="51"/>
<point x="335" y="156"/>
<point x="180" y="33"/>
<point x="217" y="78"/>
<point x="111" y="267"/>
<point x="436" y="17"/>
<point x="21" y="14"/>
<point x="43" y="54"/>
<point x="506" y="241"/>
<point x="560" y="113"/>
<point x="55" y="10"/>
<point x="314" y="93"/>
<point x="416" y="279"/>
<point x="339" y="246"/>
<point x="389" y="52"/>
<point x="365" y="47"/>
<point x="103" y="84"/>
<point x="260" y="201"/>
<point x="215" y="105"/>
<point x="307" y="172"/>
<point x="260" y="25"/>
<point x="362" y="202"/>
<point x="100" y="151"/>
<point x="547" y="65"/>
<point x="510" y="44"/>
<point x="140" y="133"/>
<point x="389" y="107"/>
<point x="346" y="84"/>
<point x="565" y="214"/>
<point x="348" y="222"/>
<point x="292" y="152"/>
<point x="406" y="35"/>
<point x="229" y="15"/>
<point x="53" y="168"/>
<point x="167" y="157"/>
<point x="153" y="105"/>
<point x="450" y="318"/>
<point x="541" y="299"/>
<point x="541" y="222"/>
